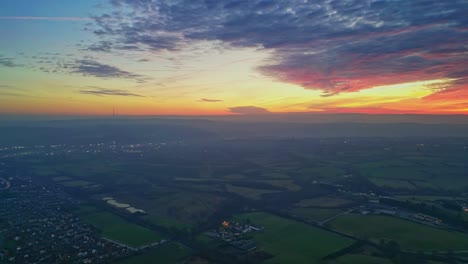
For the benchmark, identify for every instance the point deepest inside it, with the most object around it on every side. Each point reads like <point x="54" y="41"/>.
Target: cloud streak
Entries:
<point x="205" y="100"/>
<point x="95" y="69"/>
<point x="98" y="91"/>
<point x="249" y="110"/>
<point x="8" y="62"/>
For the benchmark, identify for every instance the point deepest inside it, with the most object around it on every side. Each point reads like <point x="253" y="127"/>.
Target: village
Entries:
<point x="36" y="228"/>
<point x="236" y="234"/>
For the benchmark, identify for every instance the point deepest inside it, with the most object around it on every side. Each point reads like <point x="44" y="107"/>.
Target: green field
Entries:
<point x="275" y="176"/>
<point x="165" y="222"/>
<point x="77" y="183"/>
<point x="62" y="178"/>
<point x="116" y="228"/>
<point x="360" y="259"/>
<point x="398" y="184"/>
<point x="406" y="173"/>
<point x="250" y="193"/>
<point x="425" y="171"/>
<point x="185" y="208"/>
<point x="169" y="253"/>
<point x="208" y="242"/>
<point x="410" y="235"/>
<point x="323" y="202"/>
<point x="288" y="184"/>
<point x="293" y="242"/>
<point x="427" y="198"/>
<point x="315" y="214"/>
<point x="325" y="173"/>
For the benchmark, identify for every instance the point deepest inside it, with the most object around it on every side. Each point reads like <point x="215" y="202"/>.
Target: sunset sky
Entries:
<point x="212" y="57"/>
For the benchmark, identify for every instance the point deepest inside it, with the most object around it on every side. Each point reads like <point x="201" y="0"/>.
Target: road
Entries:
<point x="331" y="218"/>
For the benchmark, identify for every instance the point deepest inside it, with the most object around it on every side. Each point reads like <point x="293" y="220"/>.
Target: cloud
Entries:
<point x="210" y="100"/>
<point x="86" y="19"/>
<point x="98" y="91"/>
<point x="79" y="64"/>
<point x="249" y="110"/>
<point x="336" y="46"/>
<point x="8" y="62"/>
<point x="93" y="68"/>
<point x="102" y="46"/>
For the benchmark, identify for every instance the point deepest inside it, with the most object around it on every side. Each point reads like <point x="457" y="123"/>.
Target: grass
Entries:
<point x="248" y="192"/>
<point x="328" y="202"/>
<point x="169" y="253"/>
<point x="399" y="184"/>
<point x="429" y="198"/>
<point x="77" y="183"/>
<point x="86" y="209"/>
<point x="44" y="170"/>
<point x="328" y="174"/>
<point x="165" y="222"/>
<point x="116" y="228"/>
<point x="234" y="177"/>
<point x="426" y="172"/>
<point x="410" y="235"/>
<point x="189" y="208"/>
<point x="293" y="242"/>
<point x="288" y="184"/>
<point x="315" y="214"/>
<point x="387" y="172"/>
<point x="361" y="259"/>
<point x="10" y="245"/>
<point x="62" y="178"/>
<point x="209" y="242"/>
<point x="276" y="176"/>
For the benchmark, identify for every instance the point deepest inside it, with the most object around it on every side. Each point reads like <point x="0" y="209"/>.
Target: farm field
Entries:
<point x="288" y="184"/>
<point x="116" y="228"/>
<point x="77" y="183"/>
<point x="410" y="235"/>
<point x="424" y="171"/>
<point x="61" y="178"/>
<point x="398" y="184"/>
<point x="427" y="198"/>
<point x="315" y="214"/>
<point x="169" y="253"/>
<point x="293" y="242"/>
<point x="361" y="259"/>
<point x="165" y="222"/>
<point x="325" y="202"/>
<point x="251" y="193"/>
<point x="323" y="173"/>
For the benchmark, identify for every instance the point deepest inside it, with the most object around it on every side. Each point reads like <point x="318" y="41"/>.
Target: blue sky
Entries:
<point x="53" y="8"/>
<point x="33" y="36"/>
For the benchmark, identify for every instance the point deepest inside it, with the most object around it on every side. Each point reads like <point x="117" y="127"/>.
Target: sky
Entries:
<point x="218" y="57"/>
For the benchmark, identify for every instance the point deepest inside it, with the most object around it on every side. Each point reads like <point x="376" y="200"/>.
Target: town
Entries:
<point x="35" y="227"/>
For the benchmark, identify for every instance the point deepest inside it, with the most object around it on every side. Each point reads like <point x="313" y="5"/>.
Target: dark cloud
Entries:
<point x="210" y="100"/>
<point x="98" y="91"/>
<point x="12" y="90"/>
<point x="96" y="69"/>
<point x="102" y="46"/>
<point x="8" y="62"/>
<point x="332" y="45"/>
<point x="13" y="94"/>
<point x="249" y="110"/>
